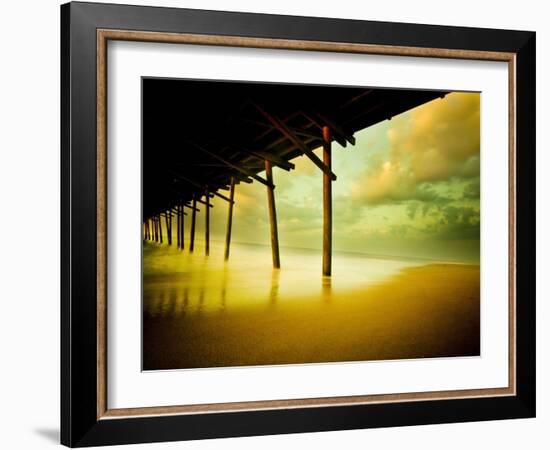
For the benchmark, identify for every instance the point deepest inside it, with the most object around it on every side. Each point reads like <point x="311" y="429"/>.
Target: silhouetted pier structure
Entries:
<point x="202" y="138"/>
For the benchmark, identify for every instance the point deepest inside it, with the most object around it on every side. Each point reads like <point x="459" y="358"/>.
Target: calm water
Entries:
<point x="177" y="281"/>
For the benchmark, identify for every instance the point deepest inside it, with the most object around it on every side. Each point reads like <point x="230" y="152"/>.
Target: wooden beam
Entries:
<point x="327" y="206"/>
<point x="281" y="126"/>
<point x="185" y="205"/>
<point x="205" y="203"/>
<point x="314" y="120"/>
<point x="207" y="225"/>
<point x="292" y="146"/>
<point x="291" y="116"/>
<point x="242" y="178"/>
<point x="194" y="183"/>
<point x="221" y="165"/>
<point x="243" y="165"/>
<point x="280" y="162"/>
<point x="175" y="213"/>
<point x="177" y="193"/>
<point x="337" y="128"/>
<point x="223" y="197"/>
<point x="236" y="174"/>
<point x="283" y="138"/>
<point x="229" y="219"/>
<point x="272" y="218"/>
<point x="193" y="219"/>
<point x="231" y="164"/>
<point x="260" y="154"/>
<point x="297" y="131"/>
<point x="169" y="213"/>
<point x="356" y="98"/>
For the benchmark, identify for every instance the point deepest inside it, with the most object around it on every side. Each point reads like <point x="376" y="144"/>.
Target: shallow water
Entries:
<point x="200" y="311"/>
<point x="176" y="280"/>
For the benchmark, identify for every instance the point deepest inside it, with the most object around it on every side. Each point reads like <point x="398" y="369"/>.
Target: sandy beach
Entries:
<point x="199" y="312"/>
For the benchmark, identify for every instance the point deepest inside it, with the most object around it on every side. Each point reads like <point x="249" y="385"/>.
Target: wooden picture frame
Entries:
<point x="85" y="417"/>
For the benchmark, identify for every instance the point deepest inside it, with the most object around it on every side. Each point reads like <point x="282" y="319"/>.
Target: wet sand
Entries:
<point x="197" y="314"/>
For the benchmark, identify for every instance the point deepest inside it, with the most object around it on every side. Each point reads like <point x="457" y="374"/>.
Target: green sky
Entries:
<point x="409" y="187"/>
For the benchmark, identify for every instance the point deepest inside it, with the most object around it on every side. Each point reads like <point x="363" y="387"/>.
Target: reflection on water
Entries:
<point x="274" y="292"/>
<point x="176" y="281"/>
<point x="203" y="312"/>
<point x="326" y="289"/>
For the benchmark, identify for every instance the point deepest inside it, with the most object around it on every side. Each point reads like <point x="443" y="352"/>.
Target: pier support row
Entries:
<point x="154" y="231"/>
<point x="146" y="234"/>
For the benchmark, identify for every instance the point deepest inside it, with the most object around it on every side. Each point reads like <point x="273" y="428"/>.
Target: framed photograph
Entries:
<point x="276" y="224"/>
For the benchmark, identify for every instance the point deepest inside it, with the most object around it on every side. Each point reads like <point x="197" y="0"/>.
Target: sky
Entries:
<point x="409" y="187"/>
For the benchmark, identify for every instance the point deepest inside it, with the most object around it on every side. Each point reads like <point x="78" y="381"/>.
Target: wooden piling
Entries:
<point x="168" y="220"/>
<point x="272" y="216"/>
<point x="193" y="219"/>
<point x="182" y="223"/>
<point x="327" y="205"/>
<point x="229" y="218"/>
<point x="207" y="225"/>
<point x="160" y="228"/>
<point x="178" y="228"/>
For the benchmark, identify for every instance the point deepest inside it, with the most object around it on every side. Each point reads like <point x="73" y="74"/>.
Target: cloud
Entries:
<point x="305" y="166"/>
<point x="471" y="190"/>
<point x="435" y="142"/>
<point x="441" y="138"/>
<point x="456" y="223"/>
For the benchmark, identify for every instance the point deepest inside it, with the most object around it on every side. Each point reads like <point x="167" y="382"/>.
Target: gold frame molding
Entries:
<point x="103" y="36"/>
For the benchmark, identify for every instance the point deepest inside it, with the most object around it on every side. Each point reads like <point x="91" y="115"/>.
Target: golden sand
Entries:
<point x="412" y="311"/>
